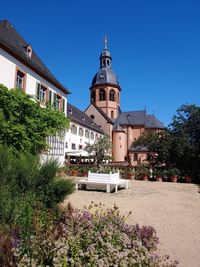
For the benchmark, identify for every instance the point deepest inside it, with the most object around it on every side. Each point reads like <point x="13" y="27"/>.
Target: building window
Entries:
<point x="135" y="157"/>
<point x="112" y="114"/>
<point x="41" y="92"/>
<point x="81" y="131"/>
<point x="56" y="145"/>
<point x="112" y="95"/>
<point x="92" y="117"/>
<point x="73" y="146"/>
<point x="80" y="147"/>
<point x="92" y="135"/>
<point x="86" y="133"/>
<point x="57" y="101"/>
<point x="66" y="145"/>
<point x="74" y="129"/>
<point x="93" y="96"/>
<point x="20" y="80"/>
<point x="102" y="95"/>
<point x="119" y="137"/>
<point x="96" y="137"/>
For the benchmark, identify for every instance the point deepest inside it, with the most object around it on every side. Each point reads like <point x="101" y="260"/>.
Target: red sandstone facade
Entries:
<point x="122" y="127"/>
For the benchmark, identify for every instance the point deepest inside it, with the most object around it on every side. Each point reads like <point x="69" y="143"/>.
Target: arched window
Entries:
<point x="112" y="114"/>
<point x="112" y="95"/>
<point x="102" y="95"/>
<point x="93" y="96"/>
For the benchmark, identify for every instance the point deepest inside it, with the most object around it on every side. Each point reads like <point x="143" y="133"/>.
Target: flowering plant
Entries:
<point x="94" y="236"/>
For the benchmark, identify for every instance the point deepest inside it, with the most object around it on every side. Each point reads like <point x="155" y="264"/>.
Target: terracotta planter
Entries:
<point x="188" y="179"/>
<point x="144" y="177"/>
<point x="173" y="178"/>
<point x="74" y="173"/>
<point x="131" y="176"/>
<point x="159" y="178"/>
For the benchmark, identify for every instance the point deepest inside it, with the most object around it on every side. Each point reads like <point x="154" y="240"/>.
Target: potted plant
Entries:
<point x="131" y="174"/>
<point x="158" y="174"/>
<point x="187" y="177"/>
<point x="84" y="171"/>
<point x="173" y="174"/>
<point x="74" y="171"/>
<point x="144" y="172"/>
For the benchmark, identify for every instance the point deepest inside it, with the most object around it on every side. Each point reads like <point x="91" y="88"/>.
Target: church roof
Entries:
<point x="78" y="116"/>
<point x="152" y="122"/>
<point x="117" y="128"/>
<point x="105" y="76"/>
<point x="135" y="118"/>
<point x="12" y="42"/>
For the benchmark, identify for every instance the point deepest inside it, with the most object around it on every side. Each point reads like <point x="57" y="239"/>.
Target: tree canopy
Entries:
<point x="25" y="125"/>
<point x="179" y="145"/>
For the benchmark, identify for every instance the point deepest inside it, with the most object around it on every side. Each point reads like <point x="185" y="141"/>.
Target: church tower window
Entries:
<point x="112" y="95"/>
<point x="93" y="96"/>
<point x="102" y="95"/>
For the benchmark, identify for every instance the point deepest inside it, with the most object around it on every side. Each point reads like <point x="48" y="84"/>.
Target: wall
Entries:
<point x="71" y="138"/>
<point x="100" y="120"/>
<point x="8" y="66"/>
<point x="119" y="146"/>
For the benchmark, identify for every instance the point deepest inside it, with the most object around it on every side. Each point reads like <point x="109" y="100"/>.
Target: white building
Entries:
<point x="20" y="67"/>
<point x="82" y="131"/>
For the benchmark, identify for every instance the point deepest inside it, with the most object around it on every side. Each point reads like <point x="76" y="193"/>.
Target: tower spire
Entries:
<point x="105" y="42"/>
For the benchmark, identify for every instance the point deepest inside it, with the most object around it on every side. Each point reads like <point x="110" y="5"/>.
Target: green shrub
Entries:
<point x="22" y="177"/>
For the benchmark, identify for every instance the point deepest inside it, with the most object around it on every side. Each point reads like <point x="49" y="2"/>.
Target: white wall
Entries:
<point x="8" y="66"/>
<point x="76" y="139"/>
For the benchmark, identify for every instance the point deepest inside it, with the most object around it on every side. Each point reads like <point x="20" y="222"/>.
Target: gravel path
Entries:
<point x="172" y="208"/>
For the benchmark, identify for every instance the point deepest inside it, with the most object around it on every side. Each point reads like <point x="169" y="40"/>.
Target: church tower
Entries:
<point x="105" y="89"/>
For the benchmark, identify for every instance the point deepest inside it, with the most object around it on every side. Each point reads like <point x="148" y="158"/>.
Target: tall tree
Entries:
<point x="179" y="145"/>
<point x="24" y="125"/>
<point x="100" y="149"/>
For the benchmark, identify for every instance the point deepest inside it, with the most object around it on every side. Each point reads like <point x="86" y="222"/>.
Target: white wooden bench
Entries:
<point x="111" y="180"/>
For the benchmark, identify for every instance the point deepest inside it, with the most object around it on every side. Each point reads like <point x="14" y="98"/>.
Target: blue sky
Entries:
<point x="155" y="46"/>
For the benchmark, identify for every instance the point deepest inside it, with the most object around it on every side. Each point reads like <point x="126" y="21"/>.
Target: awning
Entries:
<point x="78" y="153"/>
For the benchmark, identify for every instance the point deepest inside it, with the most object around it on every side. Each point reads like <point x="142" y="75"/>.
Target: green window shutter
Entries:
<point x="54" y="100"/>
<point x="38" y="86"/>
<point x="63" y="105"/>
<point x="50" y="98"/>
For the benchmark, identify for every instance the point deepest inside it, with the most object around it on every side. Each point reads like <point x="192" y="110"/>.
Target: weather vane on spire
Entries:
<point x="105" y="42"/>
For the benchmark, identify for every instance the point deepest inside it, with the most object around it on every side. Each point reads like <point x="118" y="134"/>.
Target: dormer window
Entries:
<point x="69" y="110"/>
<point x="28" y="50"/>
<point x="83" y="117"/>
